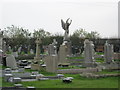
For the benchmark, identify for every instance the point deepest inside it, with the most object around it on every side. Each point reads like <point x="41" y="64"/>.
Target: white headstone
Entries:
<point x="51" y="63"/>
<point x="11" y="62"/>
<point x="88" y="53"/>
<point x="108" y="52"/>
<point x="31" y="51"/>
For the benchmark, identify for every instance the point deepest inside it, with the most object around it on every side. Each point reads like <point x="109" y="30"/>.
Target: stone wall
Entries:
<point x="76" y="71"/>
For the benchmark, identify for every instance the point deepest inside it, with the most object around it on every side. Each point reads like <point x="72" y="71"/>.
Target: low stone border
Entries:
<point x="77" y="71"/>
<point x="91" y="75"/>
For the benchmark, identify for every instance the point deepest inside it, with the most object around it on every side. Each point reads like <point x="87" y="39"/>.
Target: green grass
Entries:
<point x="71" y="67"/>
<point x="3" y="67"/>
<point x="99" y="53"/>
<point x="5" y="84"/>
<point x="80" y="82"/>
<point x="75" y="58"/>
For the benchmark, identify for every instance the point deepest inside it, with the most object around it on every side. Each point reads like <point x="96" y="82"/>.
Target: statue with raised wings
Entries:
<point x="65" y="26"/>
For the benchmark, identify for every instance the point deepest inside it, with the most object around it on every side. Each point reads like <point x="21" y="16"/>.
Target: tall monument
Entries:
<point x="65" y="48"/>
<point x="38" y="42"/>
<point x="65" y="26"/>
<point x="36" y="62"/>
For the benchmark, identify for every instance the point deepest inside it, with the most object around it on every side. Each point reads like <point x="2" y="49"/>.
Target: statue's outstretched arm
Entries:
<point x="63" y="24"/>
<point x="68" y="22"/>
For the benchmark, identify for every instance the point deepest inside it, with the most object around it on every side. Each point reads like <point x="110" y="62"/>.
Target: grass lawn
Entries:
<point x="99" y="53"/>
<point x="108" y="72"/>
<point x="111" y="82"/>
<point x="75" y="58"/>
<point x="78" y="82"/>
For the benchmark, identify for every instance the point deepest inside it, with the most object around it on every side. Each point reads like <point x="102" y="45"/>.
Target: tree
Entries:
<point x="18" y="36"/>
<point x="16" y="32"/>
<point x="41" y="33"/>
<point x="82" y="33"/>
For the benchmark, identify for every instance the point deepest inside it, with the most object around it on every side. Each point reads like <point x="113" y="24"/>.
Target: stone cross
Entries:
<point x="54" y="45"/>
<point x="38" y="42"/>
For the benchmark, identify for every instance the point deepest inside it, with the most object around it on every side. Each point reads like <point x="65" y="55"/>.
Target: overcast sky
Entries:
<point x="92" y="15"/>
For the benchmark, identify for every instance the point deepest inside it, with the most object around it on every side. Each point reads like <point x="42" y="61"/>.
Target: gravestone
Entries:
<point x="36" y="62"/>
<point x="51" y="63"/>
<point x="31" y="51"/>
<point x="52" y="49"/>
<point x="7" y="77"/>
<point x="1" y="40"/>
<point x="1" y="45"/>
<point x="88" y="53"/>
<point x="7" y="71"/>
<point x="9" y="49"/>
<point x="19" y="49"/>
<point x="65" y="48"/>
<point x="4" y="47"/>
<point x="11" y="62"/>
<point x="62" y="54"/>
<point x="38" y="42"/>
<point x="108" y="52"/>
<point x="16" y="79"/>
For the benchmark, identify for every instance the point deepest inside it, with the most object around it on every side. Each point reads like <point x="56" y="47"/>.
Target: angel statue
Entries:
<point x="65" y="26"/>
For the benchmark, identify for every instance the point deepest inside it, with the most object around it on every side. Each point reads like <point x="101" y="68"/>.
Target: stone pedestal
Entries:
<point x="62" y="54"/>
<point x="51" y="63"/>
<point x="35" y="66"/>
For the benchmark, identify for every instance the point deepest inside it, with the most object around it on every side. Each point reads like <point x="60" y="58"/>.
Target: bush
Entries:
<point x="23" y="57"/>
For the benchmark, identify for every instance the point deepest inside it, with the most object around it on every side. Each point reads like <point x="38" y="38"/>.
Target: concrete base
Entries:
<point x="37" y="58"/>
<point x="112" y="66"/>
<point x="89" y="65"/>
<point x="62" y="54"/>
<point x="35" y="66"/>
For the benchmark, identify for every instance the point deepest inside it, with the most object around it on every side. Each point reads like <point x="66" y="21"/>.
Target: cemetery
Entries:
<point x="62" y="65"/>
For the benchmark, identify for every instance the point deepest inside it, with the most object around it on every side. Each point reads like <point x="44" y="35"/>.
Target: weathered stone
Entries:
<point x="11" y="62"/>
<point x="16" y="79"/>
<point x="36" y="63"/>
<point x="38" y="76"/>
<point x="51" y="63"/>
<point x="108" y="53"/>
<point x="7" y="77"/>
<point x="7" y="71"/>
<point x="62" y="54"/>
<point x="88" y="53"/>
<point x="52" y="49"/>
